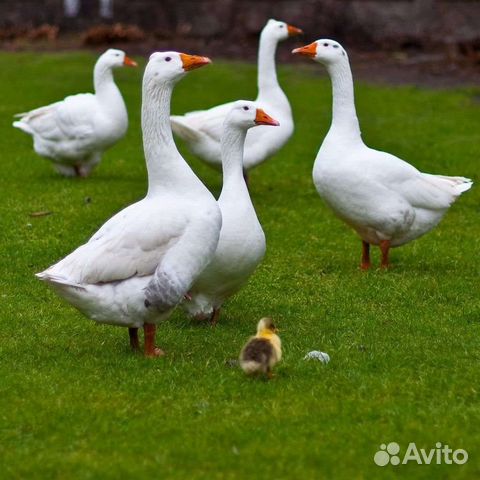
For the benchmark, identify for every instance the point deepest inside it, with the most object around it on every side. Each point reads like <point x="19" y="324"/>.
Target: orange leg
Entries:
<point x="150" y="350"/>
<point x="384" y="248"/>
<point x="134" y="343"/>
<point x="80" y="172"/>
<point x="365" y="265"/>
<point x="215" y="316"/>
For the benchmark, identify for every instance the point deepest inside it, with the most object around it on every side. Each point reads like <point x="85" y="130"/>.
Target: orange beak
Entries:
<point x="307" y="50"/>
<point x="261" y="118"/>
<point x="190" y="62"/>
<point x="128" y="62"/>
<point x="293" y="31"/>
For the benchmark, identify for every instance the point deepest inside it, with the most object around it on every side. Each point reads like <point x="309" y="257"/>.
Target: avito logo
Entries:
<point x="442" y="454"/>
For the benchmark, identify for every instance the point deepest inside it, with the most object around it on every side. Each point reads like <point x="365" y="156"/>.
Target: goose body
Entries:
<point x="241" y="245"/>
<point x="74" y="132"/>
<point x="387" y="201"/>
<point x="202" y="130"/>
<point x="142" y="261"/>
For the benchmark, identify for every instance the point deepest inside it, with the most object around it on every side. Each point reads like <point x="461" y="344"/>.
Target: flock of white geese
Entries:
<point x="181" y="246"/>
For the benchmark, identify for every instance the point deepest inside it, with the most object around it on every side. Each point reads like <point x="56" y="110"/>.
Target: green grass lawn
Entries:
<point x="75" y="403"/>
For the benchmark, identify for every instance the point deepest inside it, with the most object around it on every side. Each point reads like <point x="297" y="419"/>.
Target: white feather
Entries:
<point x="138" y="266"/>
<point x="74" y="132"/>
<point x="241" y="246"/>
<point x="381" y="196"/>
<point x="202" y="130"/>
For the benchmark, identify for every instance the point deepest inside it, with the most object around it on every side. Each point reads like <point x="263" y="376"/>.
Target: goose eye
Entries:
<point x="245" y="108"/>
<point x="280" y="26"/>
<point x="335" y="46"/>
<point x="325" y="44"/>
<point x="167" y="59"/>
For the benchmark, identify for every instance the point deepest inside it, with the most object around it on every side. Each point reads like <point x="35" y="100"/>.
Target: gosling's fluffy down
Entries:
<point x="263" y="351"/>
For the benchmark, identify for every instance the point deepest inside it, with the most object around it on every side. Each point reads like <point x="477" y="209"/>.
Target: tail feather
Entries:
<point x="251" y="367"/>
<point x="57" y="279"/>
<point x="23" y="126"/>
<point x="464" y="185"/>
<point x="459" y="185"/>
<point x="184" y="131"/>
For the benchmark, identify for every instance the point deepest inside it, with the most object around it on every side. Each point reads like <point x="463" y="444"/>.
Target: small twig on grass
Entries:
<point x="42" y="213"/>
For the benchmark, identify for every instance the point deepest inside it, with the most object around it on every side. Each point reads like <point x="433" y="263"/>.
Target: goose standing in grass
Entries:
<point x="387" y="201"/>
<point x="74" y="132"/>
<point x="142" y="261"/>
<point x="202" y="130"/>
<point x="241" y="246"/>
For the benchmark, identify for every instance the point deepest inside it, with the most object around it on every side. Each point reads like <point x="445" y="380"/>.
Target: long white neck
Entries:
<point x="267" y="74"/>
<point x="166" y="167"/>
<point x="232" y="145"/>
<point x="105" y="89"/>
<point x="344" y="115"/>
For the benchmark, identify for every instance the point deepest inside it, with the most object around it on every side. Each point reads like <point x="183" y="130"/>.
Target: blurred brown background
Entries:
<point x="438" y="39"/>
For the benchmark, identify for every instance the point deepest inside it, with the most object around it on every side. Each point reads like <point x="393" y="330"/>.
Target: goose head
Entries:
<point x="280" y="30"/>
<point x="172" y="66"/>
<point x="245" y="114"/>
<point x="266" y="325"/>
<point x="326" y="51"/>
<point x="114" y="58"/>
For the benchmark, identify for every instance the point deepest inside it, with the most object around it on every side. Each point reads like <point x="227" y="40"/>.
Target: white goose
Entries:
<point x="241" y="246"/>
<point x="386" y="200"/>
<point x="142" y="262"/>
<point x="74" y="132"/>
<point x="202" y="130"/>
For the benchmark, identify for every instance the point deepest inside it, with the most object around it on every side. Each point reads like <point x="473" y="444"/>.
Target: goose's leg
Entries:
<point x="150" y="350"/>
<point x="79" y="171"/>
<point x="134" y="343"/>
<point x="384" y="248"/>
<point x="215" y="316"/>
<point x="65" y="170"/>
<point x="83" y="171"/>
<point x="91" y="162"/>
<point x="365" y="265"/>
